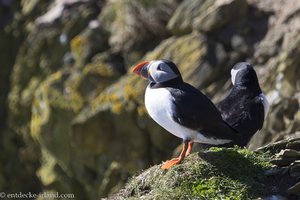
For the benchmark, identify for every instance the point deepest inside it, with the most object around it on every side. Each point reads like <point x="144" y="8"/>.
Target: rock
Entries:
<point x="181" y="21"/>
<point x="282" y="162"/>
<point x="276" y="171"/>
<point x="90" y="41"/>
<point x="206" y="16"/>
<point x="37" y="57"/>
<point x="219" y="14"/>
<point x="33" y="63"/>
<point x="216" y="171"/>
<point x="287" y="160"/>
<point x="205" y="166"/>
<point x="111" y="177"/>
<point x="288" y="70"/>
<point x="19" y="155"/>
<point x="61" y="11"/>
<point x="96" y="76"/>
<point x="288" y="153"/>
<point x="282" y="155"/>
<point x="239" y="45"/>
<point x="295" y="169"/>
<point x="66" y="92"/>
<point x="136" y="26"/>
<point x="294" y="190"/>
<point x="294" y="145"/>
<point x="280" y="123"/>
<point x="9" y="44"/>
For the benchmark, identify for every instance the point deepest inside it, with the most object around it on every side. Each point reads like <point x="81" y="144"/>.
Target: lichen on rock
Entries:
<point x="205" y="16"/>
<point x="57" y="100"/>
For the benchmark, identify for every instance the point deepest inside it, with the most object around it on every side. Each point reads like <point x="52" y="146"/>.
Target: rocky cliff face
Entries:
<point x="72" y="117"/>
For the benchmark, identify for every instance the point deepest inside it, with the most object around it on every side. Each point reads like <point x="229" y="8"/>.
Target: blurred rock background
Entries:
<point x="72" y="118"/>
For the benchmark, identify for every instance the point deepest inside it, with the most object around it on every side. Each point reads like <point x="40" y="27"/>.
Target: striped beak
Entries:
<point x="142" y="69"/>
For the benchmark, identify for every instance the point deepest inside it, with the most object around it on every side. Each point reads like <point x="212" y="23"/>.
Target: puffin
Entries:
<point x="246" y="106"/>
<point x="181" y="109"/>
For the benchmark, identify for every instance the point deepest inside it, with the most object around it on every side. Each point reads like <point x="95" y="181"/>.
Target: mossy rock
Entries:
<point x="19" y="154"/>
<point x="285" y="96"/>
<point x="289" y="61"/>
<point x="136" y="26"/>
<point x="93" y="39"/>
<point x="50" y="112"/>
<point x="205" y="16"/>
<point x="182" y="20"/>
<point x="218" y="173"/>
<point x="41" y="54"/>
<point x="94" y="78"/>
<point x="57" y="101"/>
<point x="61" y="96"/>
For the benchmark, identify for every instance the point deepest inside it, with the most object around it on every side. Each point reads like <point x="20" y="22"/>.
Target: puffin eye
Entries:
<point x="159" y="68"/>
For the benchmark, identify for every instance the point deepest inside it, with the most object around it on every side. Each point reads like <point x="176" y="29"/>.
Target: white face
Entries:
<point x="160" y="71"/>
<point x="233" y="75"/>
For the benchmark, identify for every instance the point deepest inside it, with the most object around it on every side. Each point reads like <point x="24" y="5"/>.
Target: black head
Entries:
<point x="158" y="71"/>
<point x="244" y="74"/>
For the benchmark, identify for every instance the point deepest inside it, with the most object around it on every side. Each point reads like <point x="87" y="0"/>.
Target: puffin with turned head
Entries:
<point x="246" y="106"/>
<point x="181" y="109"/>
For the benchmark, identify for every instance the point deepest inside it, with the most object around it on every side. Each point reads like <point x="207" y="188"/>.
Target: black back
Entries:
<point x="243" y="108"/>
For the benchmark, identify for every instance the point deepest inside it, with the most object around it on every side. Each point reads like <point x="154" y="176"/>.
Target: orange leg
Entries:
<point x="175" y="161"/>
<point x="189" y="149"/>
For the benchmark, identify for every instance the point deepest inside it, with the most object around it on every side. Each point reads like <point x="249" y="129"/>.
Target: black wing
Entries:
<point x="194" y="110"/>
<point x="244" y="112"/>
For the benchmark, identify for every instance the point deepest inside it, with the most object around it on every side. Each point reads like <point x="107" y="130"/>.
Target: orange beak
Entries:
<point x="138" y="68"/>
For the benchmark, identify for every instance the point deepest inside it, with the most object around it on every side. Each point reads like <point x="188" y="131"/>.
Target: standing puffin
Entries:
<point x="181" y="109"/>
<point x="246" y="106"/>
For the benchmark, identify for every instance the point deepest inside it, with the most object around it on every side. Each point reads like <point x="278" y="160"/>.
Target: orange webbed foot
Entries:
<point x="170" y="163"/>
<point x="176" y="161"/>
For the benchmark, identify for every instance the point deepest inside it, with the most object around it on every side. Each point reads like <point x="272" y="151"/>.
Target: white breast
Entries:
<point x="159" y="104"/>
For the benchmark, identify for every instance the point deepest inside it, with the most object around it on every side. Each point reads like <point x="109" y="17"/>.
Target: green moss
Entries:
<point x="234" y="174"/>
<point x="211" y="188"/>
<point x="219" y="173"/>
